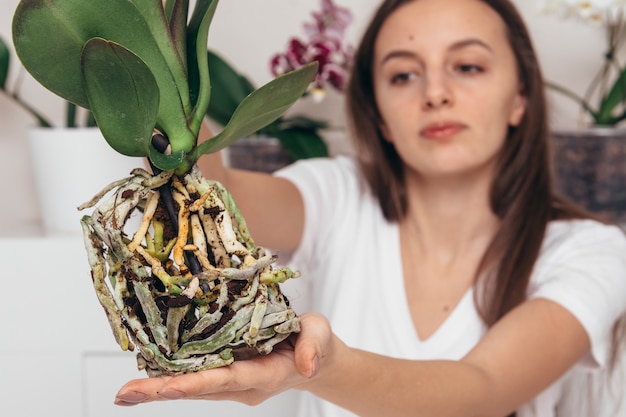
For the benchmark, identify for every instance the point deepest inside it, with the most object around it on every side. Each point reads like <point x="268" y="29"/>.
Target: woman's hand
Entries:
<point x="251" y="381"/>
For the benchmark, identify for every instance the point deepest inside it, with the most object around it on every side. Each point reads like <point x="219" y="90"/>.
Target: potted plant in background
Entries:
<point x="590" y="161"/>
<point x="187" y="287"/>
<point x="14" y="95"/>
<point x="288" y="138"/>
<point x="61" y="179"/>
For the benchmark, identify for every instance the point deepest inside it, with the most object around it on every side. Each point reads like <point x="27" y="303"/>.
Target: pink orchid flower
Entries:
<point x="324" y="44"/>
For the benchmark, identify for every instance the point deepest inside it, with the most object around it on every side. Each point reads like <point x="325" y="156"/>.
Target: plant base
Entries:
<point x="187" y="287"/>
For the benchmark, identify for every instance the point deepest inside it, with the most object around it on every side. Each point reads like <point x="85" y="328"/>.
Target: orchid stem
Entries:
<point x="161" y="143"/>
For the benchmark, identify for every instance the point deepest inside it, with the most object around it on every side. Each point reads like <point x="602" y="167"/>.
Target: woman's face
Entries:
<point x="446" y="86"/>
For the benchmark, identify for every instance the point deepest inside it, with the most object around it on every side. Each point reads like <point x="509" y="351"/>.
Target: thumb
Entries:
<point x="311" y="343"/>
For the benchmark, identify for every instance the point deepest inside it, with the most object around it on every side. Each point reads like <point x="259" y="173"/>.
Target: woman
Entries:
<point x="455" y="282"/>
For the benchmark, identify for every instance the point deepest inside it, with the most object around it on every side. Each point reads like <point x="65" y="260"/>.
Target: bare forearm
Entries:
<point x="520" y="356"/>
<point x="211" y="165"/>
<point x="373" y="385"/>
<point x="271" y="206"/>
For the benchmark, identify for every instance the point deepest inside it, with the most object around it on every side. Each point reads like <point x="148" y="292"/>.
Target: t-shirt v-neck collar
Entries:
<point x="456" y="321"/>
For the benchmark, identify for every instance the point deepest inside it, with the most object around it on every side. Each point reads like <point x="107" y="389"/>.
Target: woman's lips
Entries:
<point x="442" y="130"/>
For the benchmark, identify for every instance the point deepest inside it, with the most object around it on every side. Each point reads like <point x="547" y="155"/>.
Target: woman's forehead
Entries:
<point x="441" y="23"/>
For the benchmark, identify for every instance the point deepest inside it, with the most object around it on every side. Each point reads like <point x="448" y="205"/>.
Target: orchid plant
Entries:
<point x="609" y="85"/>
<point x="14" y="95"/>
<point x="188" y="288"/>
<point x="324" y="44"/>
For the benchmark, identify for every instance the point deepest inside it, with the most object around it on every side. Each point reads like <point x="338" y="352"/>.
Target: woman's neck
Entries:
<point x="450" y="217"/>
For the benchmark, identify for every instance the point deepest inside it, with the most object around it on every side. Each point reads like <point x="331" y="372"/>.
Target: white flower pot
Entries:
<point x="70" y="166"/>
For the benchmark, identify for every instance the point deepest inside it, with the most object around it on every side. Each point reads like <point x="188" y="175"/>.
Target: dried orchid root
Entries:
<point x="181" y="320"/>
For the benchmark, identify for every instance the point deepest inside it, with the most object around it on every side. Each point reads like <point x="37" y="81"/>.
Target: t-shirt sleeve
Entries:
<point x="329" y="188"/>
<point x="583" y="268"/>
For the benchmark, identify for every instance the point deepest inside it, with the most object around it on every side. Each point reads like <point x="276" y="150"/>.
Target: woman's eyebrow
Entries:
<point x="398" y="53"/>
<point x="471" y="42"/>
<point x="406" y="53"/>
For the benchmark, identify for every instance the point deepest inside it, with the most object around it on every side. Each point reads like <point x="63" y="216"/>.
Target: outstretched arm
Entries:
<point x="519" y="357"/>
<point x="272" y="206"/>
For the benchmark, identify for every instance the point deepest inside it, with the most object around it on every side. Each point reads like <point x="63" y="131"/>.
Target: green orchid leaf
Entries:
<point x="70" y="114"/>
<point x="123" y="95"/>
<point x="5" y="60"/>
<point x="301" y="122"/>
<point x="197" y="34"/>
<point x="167" y="162"/>
<point x="302" y="144"/>
<point x="617" y="119"/>
<point x="176" y="12"/>
<point x="228" y="89"/>
<point x="614" y="98"/>
<point x="261" y="108"/>
<point x="193" y="30"/>
<point x="168" y="7"/>
<point x="139" y="25"/>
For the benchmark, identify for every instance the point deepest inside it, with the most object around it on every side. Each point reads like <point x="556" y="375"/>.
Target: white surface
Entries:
<point x="58" y="354"/>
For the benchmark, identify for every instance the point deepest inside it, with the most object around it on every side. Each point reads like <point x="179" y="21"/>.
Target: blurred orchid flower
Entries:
<point x="324" y="44"/>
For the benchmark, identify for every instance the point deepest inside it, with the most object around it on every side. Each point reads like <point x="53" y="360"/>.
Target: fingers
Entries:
<point x="193" y="385"/>
<point x="248" y="381"/>
<point x="311" y="344"/>
<point x="140" y="391"/>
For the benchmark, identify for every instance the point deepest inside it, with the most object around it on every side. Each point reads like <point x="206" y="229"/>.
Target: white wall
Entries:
<point x="248" y="33"/>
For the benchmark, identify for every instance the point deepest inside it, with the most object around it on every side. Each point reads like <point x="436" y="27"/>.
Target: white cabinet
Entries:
<point x="58" y="355"/>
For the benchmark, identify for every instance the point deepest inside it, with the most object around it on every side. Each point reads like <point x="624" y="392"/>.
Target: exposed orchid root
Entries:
<point x="181" y="321"/>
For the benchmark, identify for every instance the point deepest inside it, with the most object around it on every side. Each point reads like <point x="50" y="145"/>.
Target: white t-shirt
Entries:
<point x="351" y="269"/>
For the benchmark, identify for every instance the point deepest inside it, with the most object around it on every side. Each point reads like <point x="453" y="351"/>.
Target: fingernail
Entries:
<point x="316" y="366"/>
<point x="131" y="397"/>
<point x="171" y="394"/>
<point x="124" y="403"/>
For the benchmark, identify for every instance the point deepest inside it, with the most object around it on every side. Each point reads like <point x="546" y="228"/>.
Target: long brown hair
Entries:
<point x="522" y="192"/>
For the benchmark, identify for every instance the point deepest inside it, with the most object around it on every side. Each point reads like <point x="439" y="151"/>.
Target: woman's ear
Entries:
<point x="385" y="132"/>
<point x="518" y="109"/>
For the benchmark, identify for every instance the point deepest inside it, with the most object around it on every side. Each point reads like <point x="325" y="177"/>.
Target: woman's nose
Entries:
<point x="437" y="93"/>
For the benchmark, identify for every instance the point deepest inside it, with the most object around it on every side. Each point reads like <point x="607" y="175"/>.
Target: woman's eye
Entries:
<point x="402" y="77"/>
<point x="469" y="68"/>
